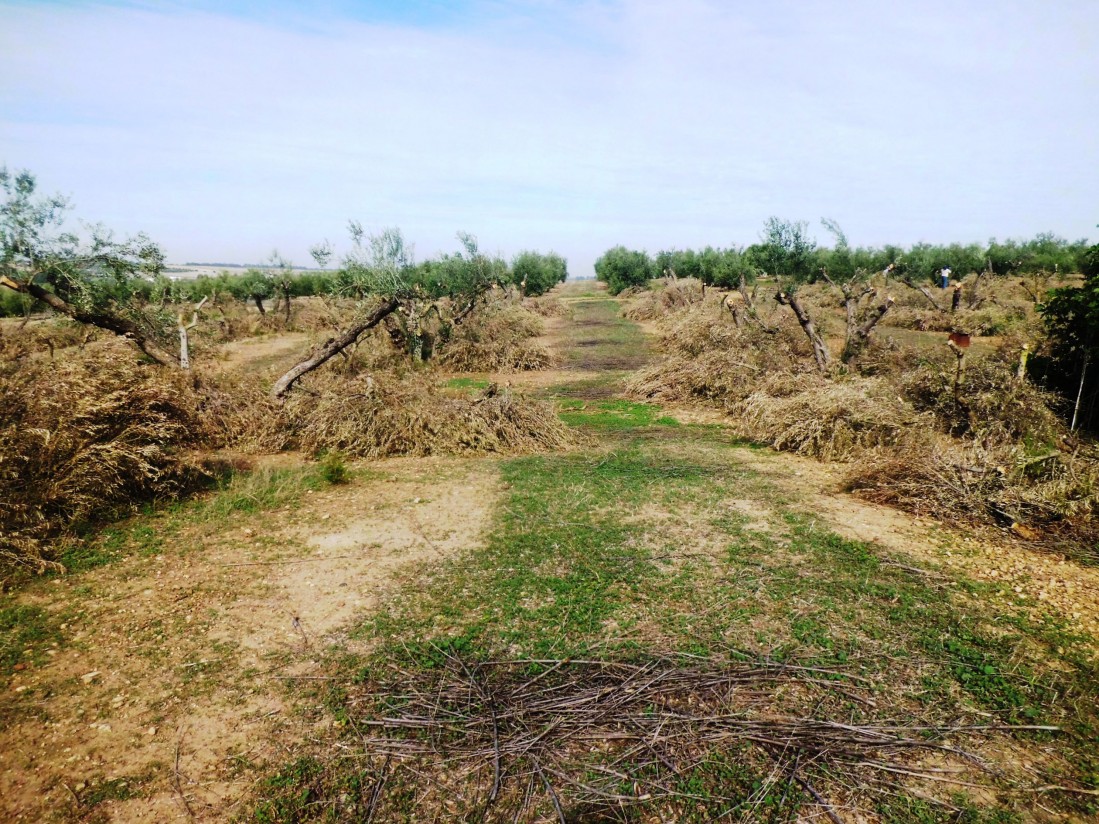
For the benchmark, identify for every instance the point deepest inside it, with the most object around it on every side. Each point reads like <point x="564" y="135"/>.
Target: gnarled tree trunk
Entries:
<point x="858" y="335"/>
<point x="184" y="340"/>
<point x="332" y="347"/>
<point x="123" y="327"/>
<point x="820" y="350"/>
<point x="749" y="299"/>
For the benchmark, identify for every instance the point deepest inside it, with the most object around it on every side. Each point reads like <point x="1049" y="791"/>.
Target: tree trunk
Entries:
<point x="923" y="290"/>
<point x="959" y="374"/>
<point x="259" y="304"/>
<point x="465" y="313"/>
<point x="858" y="336"/>
<point x="820" y="351"/>
<point x="1080" y="391"/>
<point x="750" y="307"/>
<point x="122" y="327"/>
<point x="332" y="347"/>
<point x="184" y="341"/>
<point x="184" y="348"/>
<point x="738" y="316"/>
<point x="415" y="332"/>
<point x="1020" y="371"/>
<point x="286" y="310"/>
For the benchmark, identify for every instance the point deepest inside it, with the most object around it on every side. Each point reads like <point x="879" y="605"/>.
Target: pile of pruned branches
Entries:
<point x="574" y="740"/>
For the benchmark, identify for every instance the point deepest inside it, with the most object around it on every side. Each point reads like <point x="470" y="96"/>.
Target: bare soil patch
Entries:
<point x="265" y="354"/>
<point x="171" y="676"/>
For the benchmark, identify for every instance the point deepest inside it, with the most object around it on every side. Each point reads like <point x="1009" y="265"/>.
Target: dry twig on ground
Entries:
<point x="520" y="740"/>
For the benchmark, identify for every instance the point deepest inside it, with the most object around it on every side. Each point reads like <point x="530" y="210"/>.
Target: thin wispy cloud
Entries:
<point x="225" y="131"/>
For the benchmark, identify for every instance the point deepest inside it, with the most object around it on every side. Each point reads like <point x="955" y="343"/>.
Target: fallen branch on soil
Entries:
<point x="176" y="774"/>
<point x="295" y="561"/>
<point x="605" y="735"/>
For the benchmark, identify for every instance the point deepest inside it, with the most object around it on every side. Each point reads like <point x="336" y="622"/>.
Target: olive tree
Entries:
<point x="621" y="268"/>
<point x="859" y="295"/>
<point x="93" y="280"/>
<point x="1071" y="315"/>
<point x="792" y="258"/>
<point x="536" y="273"/>
<point x="380" y="272"/>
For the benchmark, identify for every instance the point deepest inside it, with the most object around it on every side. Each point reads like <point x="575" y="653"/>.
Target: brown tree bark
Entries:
<point x="123" y="327"/>
<point x="820" y="351"/>
<point x="738" y="315"/>
<point x="184" y="339"/>
<point x="923" y="290"/>
<point x="750" y="307"/>
<point x="332" y="347"/>
<point x="286" y="309"/>
<point x="854" y="336"/>
<point x="858" y="336"/>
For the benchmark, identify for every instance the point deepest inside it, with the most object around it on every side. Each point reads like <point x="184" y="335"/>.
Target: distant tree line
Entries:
<point x="785" y="250"/>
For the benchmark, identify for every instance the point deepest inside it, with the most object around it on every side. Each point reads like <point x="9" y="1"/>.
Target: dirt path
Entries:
<point x="165" y="683"/>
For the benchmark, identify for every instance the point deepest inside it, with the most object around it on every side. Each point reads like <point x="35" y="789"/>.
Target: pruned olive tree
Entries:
<point x="93" y="280"/>
<point x="280" y="273"/>
<point x="380" y="272"/>
<point x="860" y="297"/>
<point x="787" y="253"/>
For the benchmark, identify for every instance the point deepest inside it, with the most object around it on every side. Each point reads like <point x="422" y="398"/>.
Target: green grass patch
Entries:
<point x="613" y="414"/>
<point x="241" y="494"/>
<point x="600" y="339"/>
<point x="565" y="558"/>
<point x="26" y="633"/>
<point x="471" y="384"/>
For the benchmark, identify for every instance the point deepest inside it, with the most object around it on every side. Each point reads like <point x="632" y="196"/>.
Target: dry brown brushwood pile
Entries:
<point x="986" y="306"/>
<point x="670" y="738"/>
<point x="383" y="414"/>
<point x="671" y="297"/>
<point x="86" y="436"/>
<point x="24" y="338"/>
<point x="228" y="319"/>
<point x="993" y="452"/>
<point x="546" y="306"/>
<point x="497" y="338"/>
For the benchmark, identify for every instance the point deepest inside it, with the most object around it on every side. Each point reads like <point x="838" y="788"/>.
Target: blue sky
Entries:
<point x="226" y="130"/>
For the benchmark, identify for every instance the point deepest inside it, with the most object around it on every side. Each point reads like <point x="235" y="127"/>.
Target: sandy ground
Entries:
<point x="1045" y="582"/>
<point x="171" y="679"/>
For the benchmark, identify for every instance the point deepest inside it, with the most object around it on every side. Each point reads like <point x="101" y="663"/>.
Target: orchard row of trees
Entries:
<point x="790" y="257"/>
<point x="39" y="258"/>
<point x="788" y="252"/>
<point x="533" y="273"/>
<point x="119" y="284"/>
